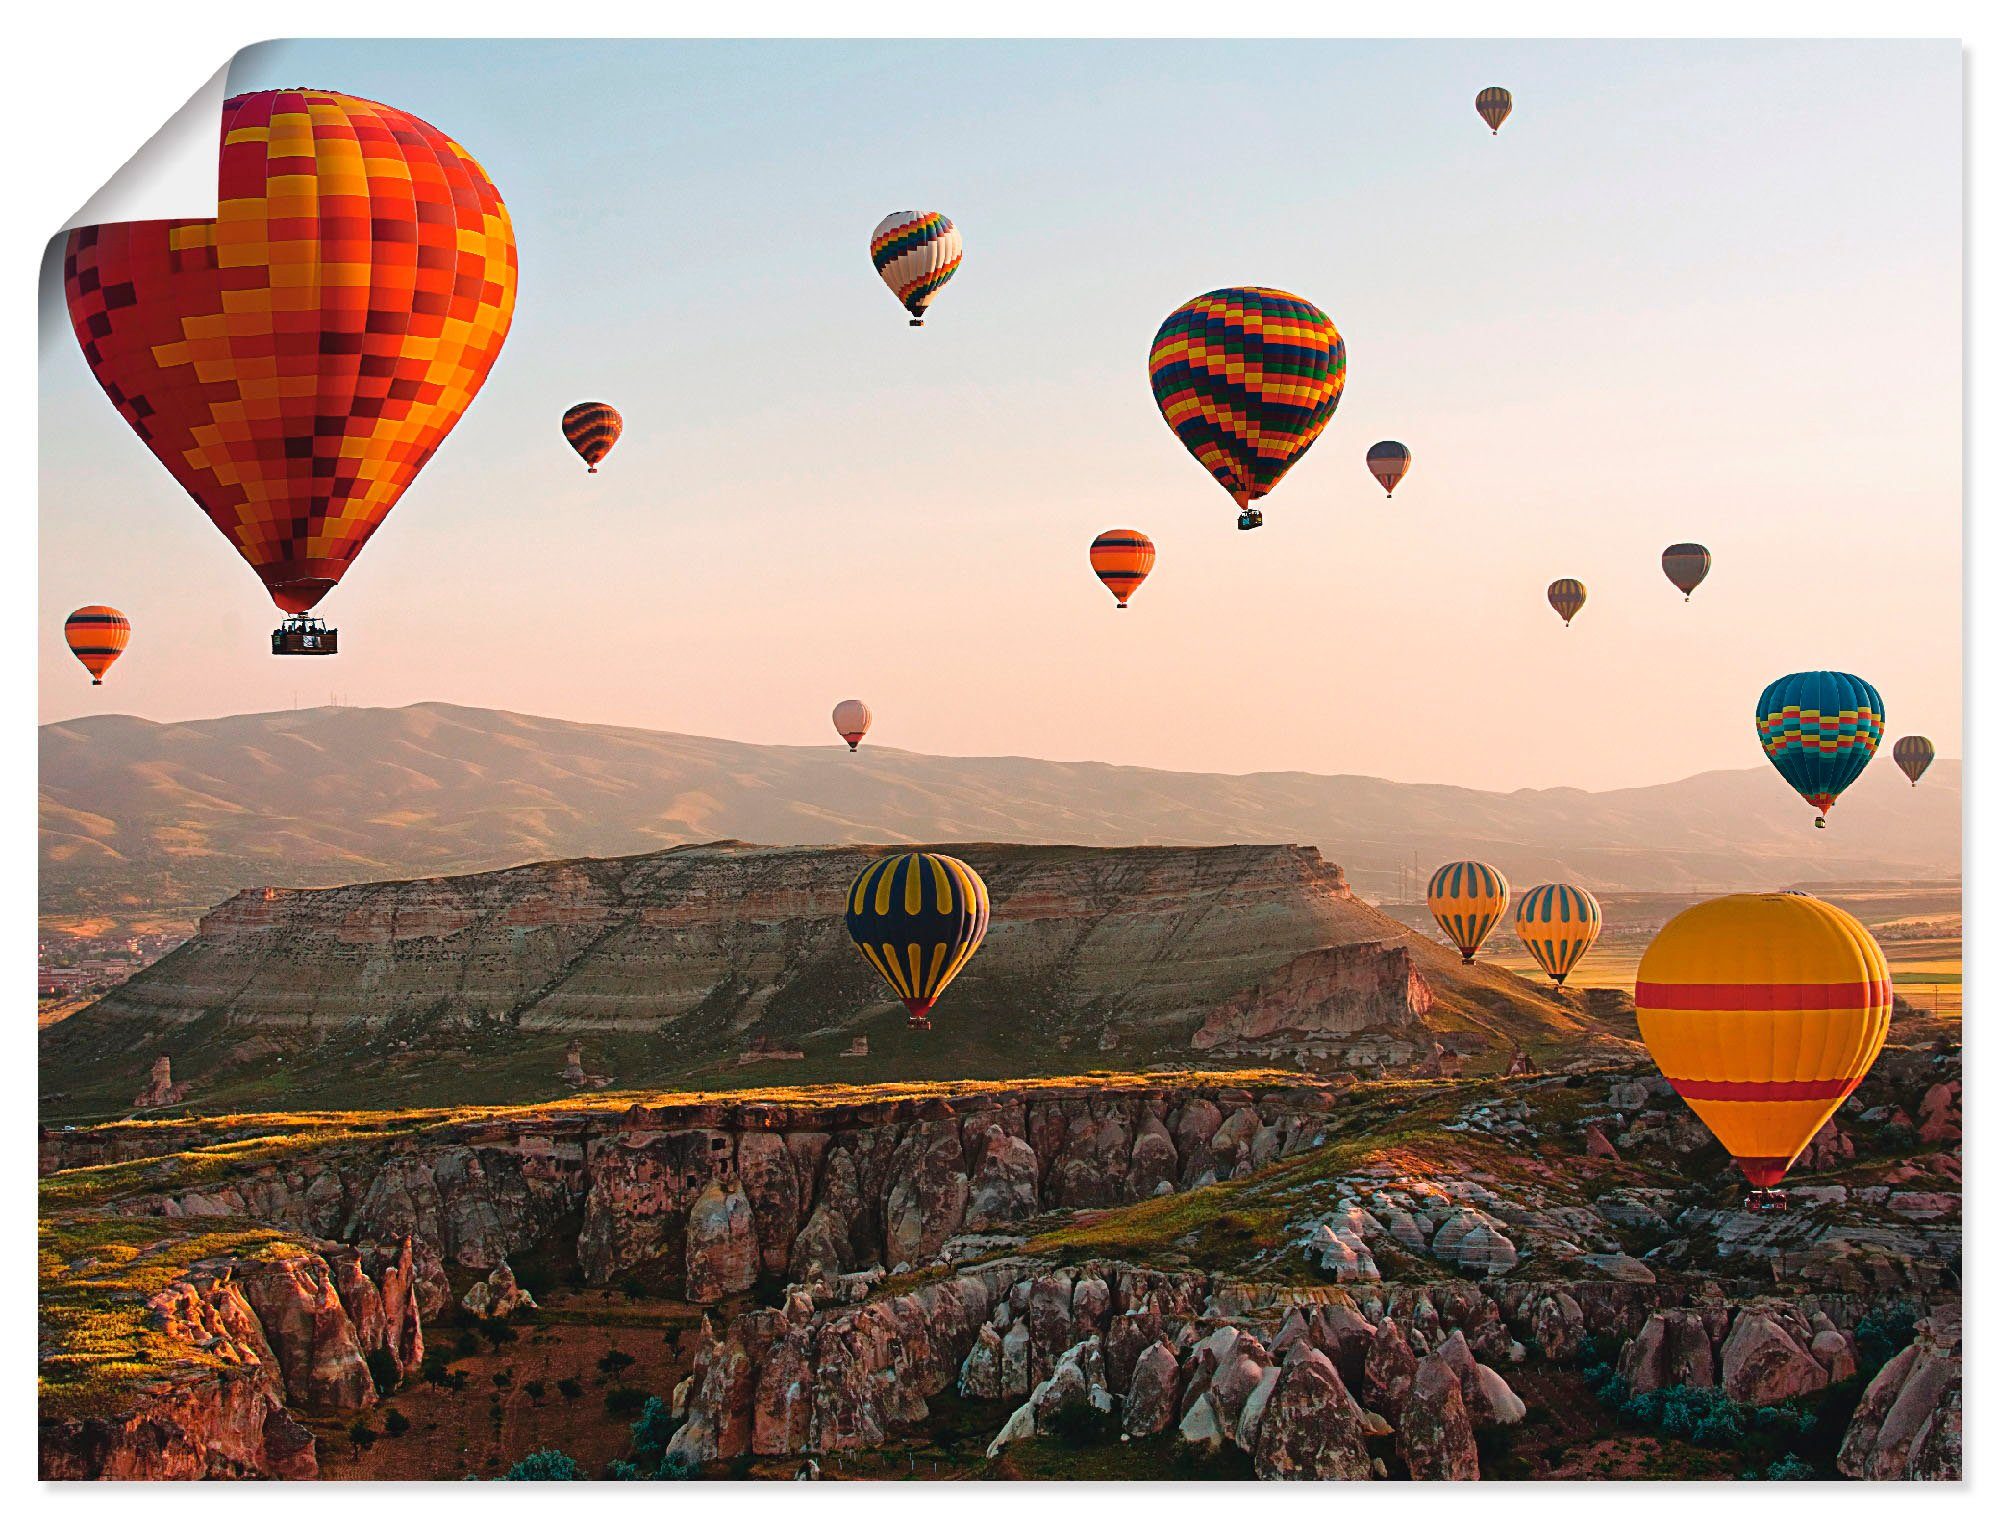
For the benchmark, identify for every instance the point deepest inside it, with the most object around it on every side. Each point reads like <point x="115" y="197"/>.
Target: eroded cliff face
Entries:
<point x="1314" y="1002"/>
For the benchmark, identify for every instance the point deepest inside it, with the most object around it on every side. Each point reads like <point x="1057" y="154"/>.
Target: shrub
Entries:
<point x="614" y="1364"/>
<point x="383" y="1370"/>
<point x="544" y="1466"/>
<point x="678" y="1468"/>
<point x="395" y="1424"/>
<point x="503" y="1378"/>
<point x="1882" y="1332"/>
<point x="536" y="1389"/>
<point x="1786" y="1469"/>
<point x="623" y="1471"/>
<point x="652" y="1429"/>
<point x="621" y="1402"/>
<point x="497" y="1332"/>
<point x="435" y="1371"/>
<point x="362" y="1433"/>
<point x="570" y="1388"/>
<point x="1079" y="1424"/>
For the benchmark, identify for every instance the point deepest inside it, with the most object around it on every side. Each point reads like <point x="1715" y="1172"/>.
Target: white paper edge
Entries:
<point x="173" y="175"/>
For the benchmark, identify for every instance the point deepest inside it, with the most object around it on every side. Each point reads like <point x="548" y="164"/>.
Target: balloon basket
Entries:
<point x="1764" y="1200"/>
<point x="305" y="635"/>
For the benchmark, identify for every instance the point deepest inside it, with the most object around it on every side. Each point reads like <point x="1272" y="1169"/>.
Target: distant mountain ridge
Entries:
<point x="138" y="816"/>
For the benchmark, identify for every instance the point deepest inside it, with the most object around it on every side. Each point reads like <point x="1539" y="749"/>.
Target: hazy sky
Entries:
<point x="1706" y="291"/>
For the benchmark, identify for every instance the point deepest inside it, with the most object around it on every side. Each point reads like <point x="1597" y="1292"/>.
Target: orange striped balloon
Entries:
<point x="1557" y="925"/>
<point x="97" y="636"/>
<point x="1123" y="558"/>
<point x="1764" y="1011"/>
<point x="592" y="427"/>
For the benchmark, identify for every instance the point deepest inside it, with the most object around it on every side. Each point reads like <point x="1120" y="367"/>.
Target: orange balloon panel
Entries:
<point x="1764" y="1012"/>
<point x="296" y="361"/>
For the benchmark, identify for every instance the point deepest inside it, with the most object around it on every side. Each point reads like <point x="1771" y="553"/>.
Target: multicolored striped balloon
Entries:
<point x="1247" y="378"/>
<point x="1686" y="565"/>
<point x="915" y="252"/>
<point x="1567" y="597"/>
<point x="918" y="918"/>
<point x="850" y="720"/>
<point x="1557" y="925"/>
<point x="97" y="636"/>
<point x="1123" y="558"/>
<point x="1764" y="1011"/>
<point x="296" y="361"/>
<point x="1467" y="899"/>
<point x="1388" y="462"/>
<point x="1820" y="728"/>
<point x="592" y="427"/>
<point x="1913" y="755"/>
<point x="1494" y="106"/>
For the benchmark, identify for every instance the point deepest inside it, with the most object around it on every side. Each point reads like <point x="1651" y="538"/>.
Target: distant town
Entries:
<point x="70" y="965"/>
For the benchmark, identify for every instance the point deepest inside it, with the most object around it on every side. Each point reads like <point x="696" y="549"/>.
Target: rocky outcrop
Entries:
<point x="1434" y="1432"/>
<point x="499" y="1296"/>
<point x="1910" y="1422"/>
<point x="1672" y="1349"/>
<point x="1318" y="999"/>
<point x="161" y="1090"/>
<point x="1764" y="1361"/>
<point x="1307" y="1428"/>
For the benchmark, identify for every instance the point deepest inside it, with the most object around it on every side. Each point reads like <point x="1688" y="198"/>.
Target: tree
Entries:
<point x="614" y="1364"/>
<point x="362" y="1434"/>
<point x="536" y="1389"/>
<point x="383" y="1370"/>
<point x="544" y="1466"/>
<point x="396" y="1424"/>
<point x="570" y="1388"/>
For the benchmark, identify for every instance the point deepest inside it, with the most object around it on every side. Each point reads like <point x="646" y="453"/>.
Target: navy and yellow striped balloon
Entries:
<point x="1467" y="899"/>
<point x="1557" y="925"/>
<point x="918" y="918"/>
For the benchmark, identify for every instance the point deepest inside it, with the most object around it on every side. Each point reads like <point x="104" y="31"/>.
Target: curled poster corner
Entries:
<point x="172" y="176"/>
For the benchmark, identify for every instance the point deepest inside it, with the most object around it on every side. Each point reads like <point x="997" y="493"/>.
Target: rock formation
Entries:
<point x="161" y="1090"/>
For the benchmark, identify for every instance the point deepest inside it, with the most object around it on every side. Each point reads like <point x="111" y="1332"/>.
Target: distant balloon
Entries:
<point x="918" y="918"/>
<point x="1913" y="754"/>
<point x="1686" y="565"/>
<point x="1820" y="728"/>
<point x="592" y="427"/>
<point x="97" y="636"/>
<point x="1567" y="597"/>
<point x="1558" y="924"/>
<point x="915" y="252"/>
<point x="295" y="362"/>
<point x="1247" y="378"/>
<point x="1764" y="1012"/>
<point x="1123" y="558"/>
<point x="850" y="720"/>
<point x="1467" y="899"/>
<point x="1494" y="106"/>
<point x="1388" y="463"/>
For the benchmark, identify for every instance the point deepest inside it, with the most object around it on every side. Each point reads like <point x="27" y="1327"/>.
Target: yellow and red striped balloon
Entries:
<point x="1557" y="925"/>
<point x="1123" y="558"/>
<point x="1764" y="1011"/>
<point x="97" y="636"/>
<point x="1467" y="899"/>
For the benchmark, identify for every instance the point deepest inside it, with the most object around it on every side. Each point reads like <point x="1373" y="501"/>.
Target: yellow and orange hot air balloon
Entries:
<point x="1764" y="1011"/>
<point x="1557" y="925"/>
<point x="1122" y="558"/>
<point x="296" y="361"/>
<point x="1467" y="899"/>
<point x="97" y="636"/>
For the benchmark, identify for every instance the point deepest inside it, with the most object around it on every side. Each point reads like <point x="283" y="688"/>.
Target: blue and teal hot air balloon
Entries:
<point x="918" y="918"/>
<point x="1820" y="728"/>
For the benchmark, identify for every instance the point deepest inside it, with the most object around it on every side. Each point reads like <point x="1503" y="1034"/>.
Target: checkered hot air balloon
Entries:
<point x="296" y="361"/>
<point x="97" y="636"/>
<point x="1123" y="558"/>
<point x="915" y="252"/>
<point x="1557" y="925"/>
<point x="592" y="427"/>
<point x="1764" y="1012"/>
<point x="1247" y="378"/>
<point x="918" y="918"/>
<point x="1819" y="729"/>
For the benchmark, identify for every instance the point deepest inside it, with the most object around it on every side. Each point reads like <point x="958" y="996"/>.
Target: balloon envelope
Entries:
<point x="1820" y="728"/>
<point x="1122" y="558"/>
<point x="1764" y="1011"/>
<point x="915" y="252"/>
<point x="295" y="362"/>
<point x="592" y="427"/>
<point x="1567" y="597"/>
<point x="97" y="636"/>
<point x="1494" y="105"/>
<point x="1558" y="924"/>
<point x="1388" y="462"/>
<point x="918" y="918"/>
<point x="1247" y="378"/>
<point x="1913" y="754"/>
<point x="1467" y="898"/>
<point x="1686" y="565"/>
<point x="850" y="720"/>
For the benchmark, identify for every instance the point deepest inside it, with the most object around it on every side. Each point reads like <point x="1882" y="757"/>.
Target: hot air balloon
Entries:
<point x="1388" y="463"/>
<point x="1820" y="728"/>
<point x="1494" y="106"/>
<point x="915" y="252"/>
<point x="1686" y="565"/>
<point x="850" y="720"/>
<point x="592" y="427"/>
<point x="1467" y="899"/>
<point x="1247" y="378"/>
<point x="295" y="362"/>
<point x="1567" y="597"/>
<point x="97" y="636"/>
<point x="1123" y="558"/>
<point x="1558" y="924"/>
<point x="1913" y="752"/>
<point x="1764" y="1011"/>
<point x="918" y="918"/>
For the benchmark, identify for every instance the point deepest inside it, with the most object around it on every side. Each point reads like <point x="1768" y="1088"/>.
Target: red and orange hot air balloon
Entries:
<point x="296" y="361"/>
<point x="97" y="636"/>
<point x="592" y="427"/>
<point x="1123" y="558"/>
